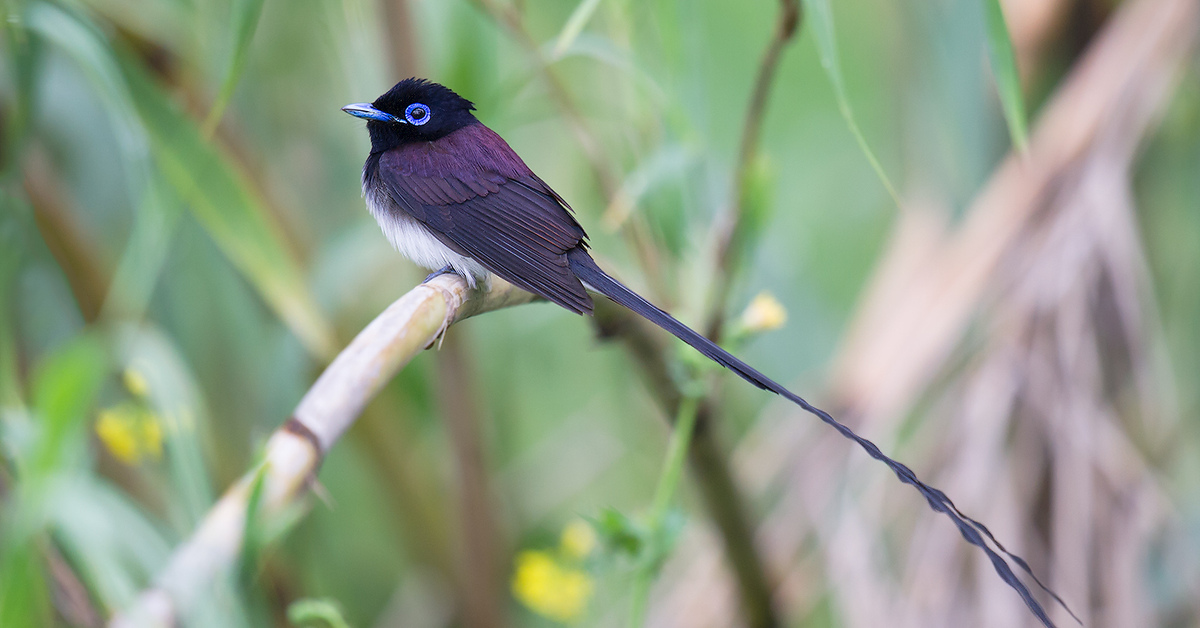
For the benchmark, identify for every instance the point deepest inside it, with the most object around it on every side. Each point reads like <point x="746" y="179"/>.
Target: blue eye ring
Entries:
<point x="417" y="114"/>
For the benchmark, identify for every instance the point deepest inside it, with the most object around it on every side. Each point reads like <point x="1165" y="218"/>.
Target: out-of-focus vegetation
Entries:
<point x="183" y="248"/>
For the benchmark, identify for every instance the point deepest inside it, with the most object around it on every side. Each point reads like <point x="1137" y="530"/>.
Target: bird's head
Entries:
<point x="415" y="110"/>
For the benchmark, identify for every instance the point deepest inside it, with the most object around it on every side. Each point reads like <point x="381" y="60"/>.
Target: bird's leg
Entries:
<point x="444" y="270"/>
<point x="441" y="333"/>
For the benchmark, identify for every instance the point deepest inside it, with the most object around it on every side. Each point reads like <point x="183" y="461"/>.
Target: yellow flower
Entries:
<point x="578" y="539"/>
<point x="550" y="588"/>
<point x="130" y="433"/>
<point x="764" y="313"/>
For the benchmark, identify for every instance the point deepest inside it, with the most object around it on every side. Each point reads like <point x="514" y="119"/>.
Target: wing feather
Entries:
<point x="477" y="196"/>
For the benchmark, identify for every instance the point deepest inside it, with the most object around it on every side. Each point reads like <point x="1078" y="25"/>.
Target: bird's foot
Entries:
<point x="444" y="270"/>
<point x="440" y="337"/>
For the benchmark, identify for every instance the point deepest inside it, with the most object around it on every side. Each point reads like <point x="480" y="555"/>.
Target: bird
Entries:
<point x="453" y="196"/>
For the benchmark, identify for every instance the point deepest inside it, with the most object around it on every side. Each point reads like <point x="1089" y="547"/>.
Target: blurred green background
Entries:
<point x="184" y="246"/>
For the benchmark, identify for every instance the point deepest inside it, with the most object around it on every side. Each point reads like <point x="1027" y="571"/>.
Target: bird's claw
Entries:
<point x="444" y="270"/>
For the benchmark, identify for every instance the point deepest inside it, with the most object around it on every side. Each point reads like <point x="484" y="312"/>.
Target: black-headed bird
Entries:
<point x="452" y="196"/>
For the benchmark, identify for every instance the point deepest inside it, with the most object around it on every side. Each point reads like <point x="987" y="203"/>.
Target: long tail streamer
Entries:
<point x="973" y="531"/>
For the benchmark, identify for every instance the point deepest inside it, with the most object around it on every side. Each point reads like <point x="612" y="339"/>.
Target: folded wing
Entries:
<point x="494" y="211"/>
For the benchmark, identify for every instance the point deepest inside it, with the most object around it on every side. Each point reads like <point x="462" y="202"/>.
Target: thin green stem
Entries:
<point x="681" y="439"/>
<point x="668" y="482"/>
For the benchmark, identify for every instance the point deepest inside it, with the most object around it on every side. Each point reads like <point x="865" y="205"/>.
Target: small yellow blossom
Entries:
<point x="764" y="313"/>
<point x="136" y="382"/>
<point x="550" y="588"/>
<point x="578" y="539"/>
<point x="130" y="433"/>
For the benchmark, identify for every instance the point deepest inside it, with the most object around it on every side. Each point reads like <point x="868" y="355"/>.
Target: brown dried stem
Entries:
<point x="479" y="570"/>
<point x="77" y="254"/>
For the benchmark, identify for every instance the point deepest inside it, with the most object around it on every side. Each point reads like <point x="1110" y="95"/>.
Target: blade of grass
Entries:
<point x="574" y="25"/>
<point x="110" y="539"/>
<point x="157" y="213"/>
<point x="146" y="252"/>
<point x="245" y="22"/>
<point x="225" y="204"/>
<point x="253" y="535"/>
<point x="1004" y="70"/>
<point x="820" y="18"/>
<point x="202" y="176"/>
<point x="85" y="43"/>
<point x="24" y="597"/>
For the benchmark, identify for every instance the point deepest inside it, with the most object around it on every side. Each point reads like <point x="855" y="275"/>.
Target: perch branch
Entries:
<point x="295" y="451"/>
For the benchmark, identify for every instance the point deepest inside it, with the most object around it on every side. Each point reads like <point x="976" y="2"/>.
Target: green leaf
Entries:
<point x="202" y="176"/>
<point x="619" y="534"/>
<point x="253" y="534"/>
<point x="316" y="612"/>
<point x="245" y="22"/>
<point x="224" y="202"/>
<point x="22" y="62"/>
<point x="1004" y="70"/>
<point x="64" y="387"/>
<point x="24" y="597"/>
<point x="146" y="252"/>
<point x="819" y="16"/>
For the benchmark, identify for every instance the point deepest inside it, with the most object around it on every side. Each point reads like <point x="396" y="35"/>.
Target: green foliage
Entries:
<point x="236" y="218"/>
<point x="819" y="15"/>
<point x="316" y="613"/>
<point x="204" y="179"/>
<point x="64" y="388"/>
<point x="618" y="534"/>
<point x="24" y="596"/>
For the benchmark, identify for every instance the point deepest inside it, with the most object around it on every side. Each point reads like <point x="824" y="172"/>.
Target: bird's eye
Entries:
<point x="417" y="114"/>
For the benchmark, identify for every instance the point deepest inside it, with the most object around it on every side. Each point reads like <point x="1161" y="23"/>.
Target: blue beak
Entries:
<point x="368" y="111"/>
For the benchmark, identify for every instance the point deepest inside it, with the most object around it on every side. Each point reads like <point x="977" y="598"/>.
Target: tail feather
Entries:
<point x="973" y="531"/>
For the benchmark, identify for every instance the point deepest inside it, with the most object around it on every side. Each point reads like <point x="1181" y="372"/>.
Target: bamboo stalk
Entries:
<point x="294" y="452"/>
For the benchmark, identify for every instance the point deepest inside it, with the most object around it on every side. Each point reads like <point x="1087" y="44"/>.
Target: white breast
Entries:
<point x="414" y="239"/>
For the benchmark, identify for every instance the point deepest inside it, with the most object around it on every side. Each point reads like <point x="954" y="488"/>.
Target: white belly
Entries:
<point x="416" y="242"/>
